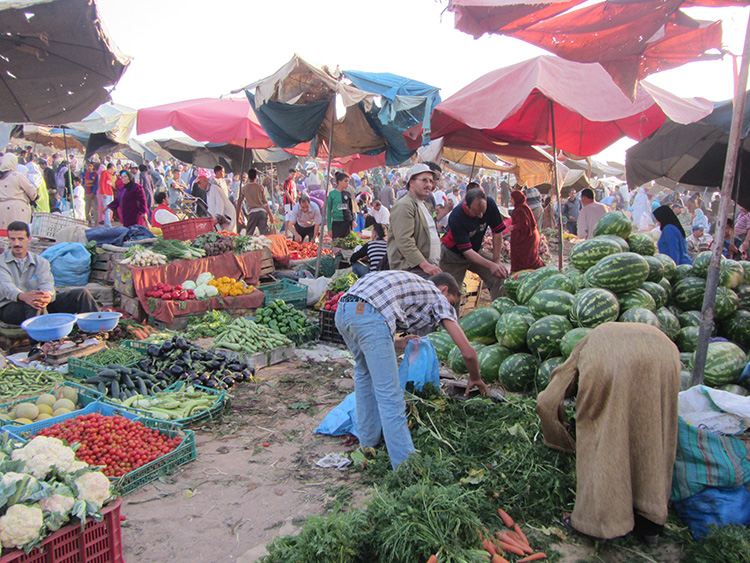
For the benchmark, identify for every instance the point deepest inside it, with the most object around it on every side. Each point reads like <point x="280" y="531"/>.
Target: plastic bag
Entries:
<point x="315" y="288"/>
<point x="341" y="420"/>
<point x="70" y="263"/>
<point x="715" y="506"/>
<point x="718" y="411"/>
<point x="420" y="364"/>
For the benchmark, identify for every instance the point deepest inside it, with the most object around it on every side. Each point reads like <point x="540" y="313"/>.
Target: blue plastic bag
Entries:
<point x="70" y="263"/>
<point x="715" y="506"/>
<point x="341" y="420"/>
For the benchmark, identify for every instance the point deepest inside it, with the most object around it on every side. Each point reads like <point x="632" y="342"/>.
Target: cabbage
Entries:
<point x="204" y="278"/>
<point x="190" y="284"/>
<point x="211" y="291"/>
<point x="200" y="291"/>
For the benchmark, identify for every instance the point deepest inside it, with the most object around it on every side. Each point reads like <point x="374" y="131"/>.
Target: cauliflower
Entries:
<point x="20" y="525"/>
<point x="93" y="487"/>
<point x="11" y="477"/>
<point x="76" y="466"/>
<point x="42" y="454"/>
<point x="23" y="486"/>
<point x="59" y="507"/>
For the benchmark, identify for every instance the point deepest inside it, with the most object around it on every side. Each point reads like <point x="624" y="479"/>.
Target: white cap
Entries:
<point x="418" y="169"/>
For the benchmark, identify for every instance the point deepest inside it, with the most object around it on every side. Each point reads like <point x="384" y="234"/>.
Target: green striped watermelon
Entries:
<point x="575" y="275"/>
<point x="726" y="303"/>
<point x="551" y="302"/>
<point x="511" y="329"/>
<point x="685" y="377"/>
<point x="640" y="315"/>
<point x="518" y="372"/>
<point x="621" y="242"/>
<point x="636" y="298"/>
<point x="743" y="295"/>
<point x="746" y="267"/>
<point x="490" y="359"/>
<point x="689" y="318"/>
<point x="667" y="285"/>
<point x="543" y="338"/>
<point x="479" y="325"/>
<point x="594" y="306"/>
<point x="524" y="311"/>
<point x="561" y="282"/>
<point x="588" y="252"/>
<point x="655" y="269"/>
<point x="687" y="340"/>
<point x="701" y="263"/>
<point x="657" y="291"/>
<point x="686" y="359"/>
<point x="502" y="304"/>
<point x="531" y="283"/>
<point x="737" y="328"/>
<point x="688" y="294"/>
<point x="619" y="272"/>
<point x="544" y="373"/>
<point x="670" y="268"/>
<point x="443" y="344"/>
<point x="668" y="323"/>
<point x="731" y="274"/>
<point x="512" y="282"/>
<point x="456" y="360"/>
<point x="736" y="389"/>
<point x="614" y="223"/>
<point x="681" y="272"/>
<point x="724" y="363"/>
<point x="571" y="338"/>
<point x="642" y="244"/>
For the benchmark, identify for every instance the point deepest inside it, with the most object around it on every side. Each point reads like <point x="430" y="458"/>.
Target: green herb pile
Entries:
<point x="208" y="326"/>
<point x="342" y="283"/>
<point x="176" y="249"/>
<point x="121" y="356"/>
<point x="476" y="457"/>
<point x="352" y="240"/>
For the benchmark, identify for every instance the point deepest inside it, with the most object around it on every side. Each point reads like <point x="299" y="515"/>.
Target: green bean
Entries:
<point x="15" y="381"/>
<point x="119" y="356"/>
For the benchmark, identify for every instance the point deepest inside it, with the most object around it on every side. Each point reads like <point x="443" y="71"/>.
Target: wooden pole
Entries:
<point x="557" y="186"/>
<point x="324" y="222"/>
<point x="473" y="162"/>
<point x="727" y="183"/>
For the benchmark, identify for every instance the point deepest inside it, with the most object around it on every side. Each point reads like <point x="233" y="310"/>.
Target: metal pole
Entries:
<point x="473" y="162"/>
<point x="67" y="159"/>
<point x="242" y="170"/>
<point x="328" y="187"/>
<point x="557" y="185"/>
<point x="712" y="280"/>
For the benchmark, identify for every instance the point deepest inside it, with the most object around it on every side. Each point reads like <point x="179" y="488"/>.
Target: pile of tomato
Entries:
<point x="332" y="304"/>
<point x="303" y="250"/>
<point x="118" y="444"/>
<point x="169" y="292"/>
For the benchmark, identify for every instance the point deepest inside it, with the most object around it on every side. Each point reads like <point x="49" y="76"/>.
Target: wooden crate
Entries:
<point x="266" y="265"/>
<point x="123" y="280"/>
<point x="132" y="306"/>
<point x="470" y="297"/>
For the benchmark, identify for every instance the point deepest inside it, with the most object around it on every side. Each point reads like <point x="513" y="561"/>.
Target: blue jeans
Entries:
<point x="360" y="270"/>
<point x="106" y="200"/>
<point x="380" y="399"/>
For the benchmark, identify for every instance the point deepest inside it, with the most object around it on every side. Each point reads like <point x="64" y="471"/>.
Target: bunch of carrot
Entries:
<point x="140" y="332"/>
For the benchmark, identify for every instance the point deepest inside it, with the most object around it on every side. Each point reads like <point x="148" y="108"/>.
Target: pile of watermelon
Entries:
<point x="616" y="276"/>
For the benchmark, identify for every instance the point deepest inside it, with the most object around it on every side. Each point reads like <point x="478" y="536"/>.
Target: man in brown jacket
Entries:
<point x="413" y="241"/>
<point x="253" y="195"/>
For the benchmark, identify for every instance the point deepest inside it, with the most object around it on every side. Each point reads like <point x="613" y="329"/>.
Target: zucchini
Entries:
<point x="114" y="387"/>
<point x="127" y="381"/>
<point x="108" y="374"/>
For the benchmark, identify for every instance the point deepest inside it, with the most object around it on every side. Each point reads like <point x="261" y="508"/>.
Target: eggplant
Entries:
<point x="195" y="355"/>
<point x="213" y="364"/>
<point x="211" y="384"/>
<point x="176" y="371"/>
<point x="208" y="356"/>
<point x="153" y="351"/>
<point x="144" y="364"/>
<point x="167" y="346"/>
<point x="228" y="380"/>
<point x="181" y="343"/>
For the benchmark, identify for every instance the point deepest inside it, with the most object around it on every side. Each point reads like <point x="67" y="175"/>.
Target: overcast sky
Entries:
<point x="193" y="48"/>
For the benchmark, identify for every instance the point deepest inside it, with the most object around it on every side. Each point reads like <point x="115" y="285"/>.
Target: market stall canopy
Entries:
<point x="597" y="169"/>
<point x="630" y="39"/>
<point x="114" y="120"/>
<point x="514" y="105"/>
<point x="57" y="63"/>
<point x="693" y="153"/>
<point x="51" y="137"/>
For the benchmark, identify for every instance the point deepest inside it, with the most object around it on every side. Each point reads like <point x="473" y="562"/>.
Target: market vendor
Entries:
<point x="162" y="214"/>
<point x="368" y="316"/>
<point x="219" y="205"/>
<point x="27" y="288"/>
<point x="305" y="219"/>
<point x="626" y="428"/>
<point x="253" y="195"/>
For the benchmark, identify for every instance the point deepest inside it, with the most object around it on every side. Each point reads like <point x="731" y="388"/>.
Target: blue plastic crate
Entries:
<point x="86" y="396"/>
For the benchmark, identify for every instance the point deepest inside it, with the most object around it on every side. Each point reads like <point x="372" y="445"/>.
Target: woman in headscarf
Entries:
<point x="130" y="201"/>
<point x="37" y="179"/>
<point x="700" y="220"/>
<point x="672" y="241"/>
<point x="524" y="236"/>
<point x="16" y="192"/>
<point x="641" y="207"/>
<point x="198" y="191"/>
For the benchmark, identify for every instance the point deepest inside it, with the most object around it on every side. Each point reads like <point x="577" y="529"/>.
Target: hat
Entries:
<point x="418" y="169"/>
<point x="698" y="227"/>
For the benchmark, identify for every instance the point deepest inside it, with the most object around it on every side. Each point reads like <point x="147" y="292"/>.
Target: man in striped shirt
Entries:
<point x="368" y="316"/>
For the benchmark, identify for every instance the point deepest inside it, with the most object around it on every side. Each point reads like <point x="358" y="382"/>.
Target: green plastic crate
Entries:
<point x="81" y="369"/>
<point x="86" y="396"/>
<point x="288" y="291"/>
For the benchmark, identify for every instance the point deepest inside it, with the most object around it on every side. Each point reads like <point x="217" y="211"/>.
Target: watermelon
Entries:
<point x="619" y="272"/>
<point x="657" y="291"/>
<point x="588" y="252"/>
<point x="689" y="318"/>
<point x="686" y="359"/>
<point x="543" y="338"/>
<point x="681" y="272"/>
<point x="560" y="282"/>
<point x="524" y="311"/>
<point x="724" y="363"/>
<point x="456" y="360"/>
<point x="736" y="389"/>
<point x="575" y="275"/>
<point x="531" y="283"/>
<point x="571" y="338"/>
<point x="490" y="359"/>
<point x="479" y="325"/>
<point x="655" y="269"/>
<point x="511" y="329"/>
<point x="737" y="328"/>
<point x="545" y="371"/>
<point x="614" y="223"/>
<point x="443" y="344"/>
<point x="621" y="242"/>
<point x="687" y="340"/>
<point x="667" y="285"/>
<point x="688" y="294"/>
<point x="743" y="295"/>
<point x="502" y="304"/>
<point x="731" y="274"/>
<point x="640" y="315"/>
<point x="746" y="267"/>
<point x="726" y="303"/>
<point x="670" y="268"/>
<point x="551" y="302"/>
<point x="518" y="372"/>
<point x="512" y="282"/>
<point x="668" y="322"/>
<point x="642" y="244"/>
<point x="636" y="298"/>
<point x="593" y="307"/>
<point x="702" y="261"/>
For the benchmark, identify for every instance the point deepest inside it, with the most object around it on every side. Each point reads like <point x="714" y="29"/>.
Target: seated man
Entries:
<point x="162" y="214"/>
<point x="27" y="288"/>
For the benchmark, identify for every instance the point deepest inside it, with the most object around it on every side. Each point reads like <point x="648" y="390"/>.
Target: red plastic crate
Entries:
<point x="188" y="229"/>
<point x="99" y="542"/>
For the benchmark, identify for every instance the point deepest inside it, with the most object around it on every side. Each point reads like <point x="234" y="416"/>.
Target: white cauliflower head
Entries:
<point x="24" y="485"/>
<point x="11" y="477"/>
<point x="57" y="508"/>
<point x="20" y="525"/>
<point x="42" y="454"/>
<point x="93" y="487"/>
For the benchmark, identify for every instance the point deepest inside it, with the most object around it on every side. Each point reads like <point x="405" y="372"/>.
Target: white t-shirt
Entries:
<point x="456" y="199"/>
<point x="434" y="257"/>
<point x="440" y="197"/>
<point x="79" y="204"/>
<point x="382" y="215"/>
<point x="164" y="217"/>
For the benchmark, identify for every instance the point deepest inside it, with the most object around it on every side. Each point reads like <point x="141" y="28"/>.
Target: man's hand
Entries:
<point x="36" y="299"/>
<point x="498" y="270"/>
<point x="479" y="384"/>
<point x="400" y="343"/>
<point x="296" y="237"/>
<point x="430" y="269"/>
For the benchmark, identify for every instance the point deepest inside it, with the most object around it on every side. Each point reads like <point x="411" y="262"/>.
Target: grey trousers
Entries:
<point x="457" y="266"/>
<point x="257" y="218"/>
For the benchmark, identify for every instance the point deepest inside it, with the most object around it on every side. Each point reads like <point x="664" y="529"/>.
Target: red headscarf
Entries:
<point x="524" y="240"/>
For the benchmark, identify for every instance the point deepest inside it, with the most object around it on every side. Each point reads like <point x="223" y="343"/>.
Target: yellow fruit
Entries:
<point x="64" y="404"/>
<point x="61" y="410"/>
<point x="45" y="409"/>
<point x="46" y="399"/>
<point x="70" y="394"/>
<point x="28" y="411"/>
<point x="42" y="416"/>
<point x="24" y="421"/>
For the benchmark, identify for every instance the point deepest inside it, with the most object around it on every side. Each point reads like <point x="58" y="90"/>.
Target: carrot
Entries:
<point x="511" y="548"/>
<point x="432" y="559"/>
<point x="521" y="535"/>
<point x="517" y="541"/>
<point x="536" y="557"/>
<point x="489" y="547"/>
<point x="507" y="520"/>
<point x="498" y="559"/>
<point x="511" y="539"/>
